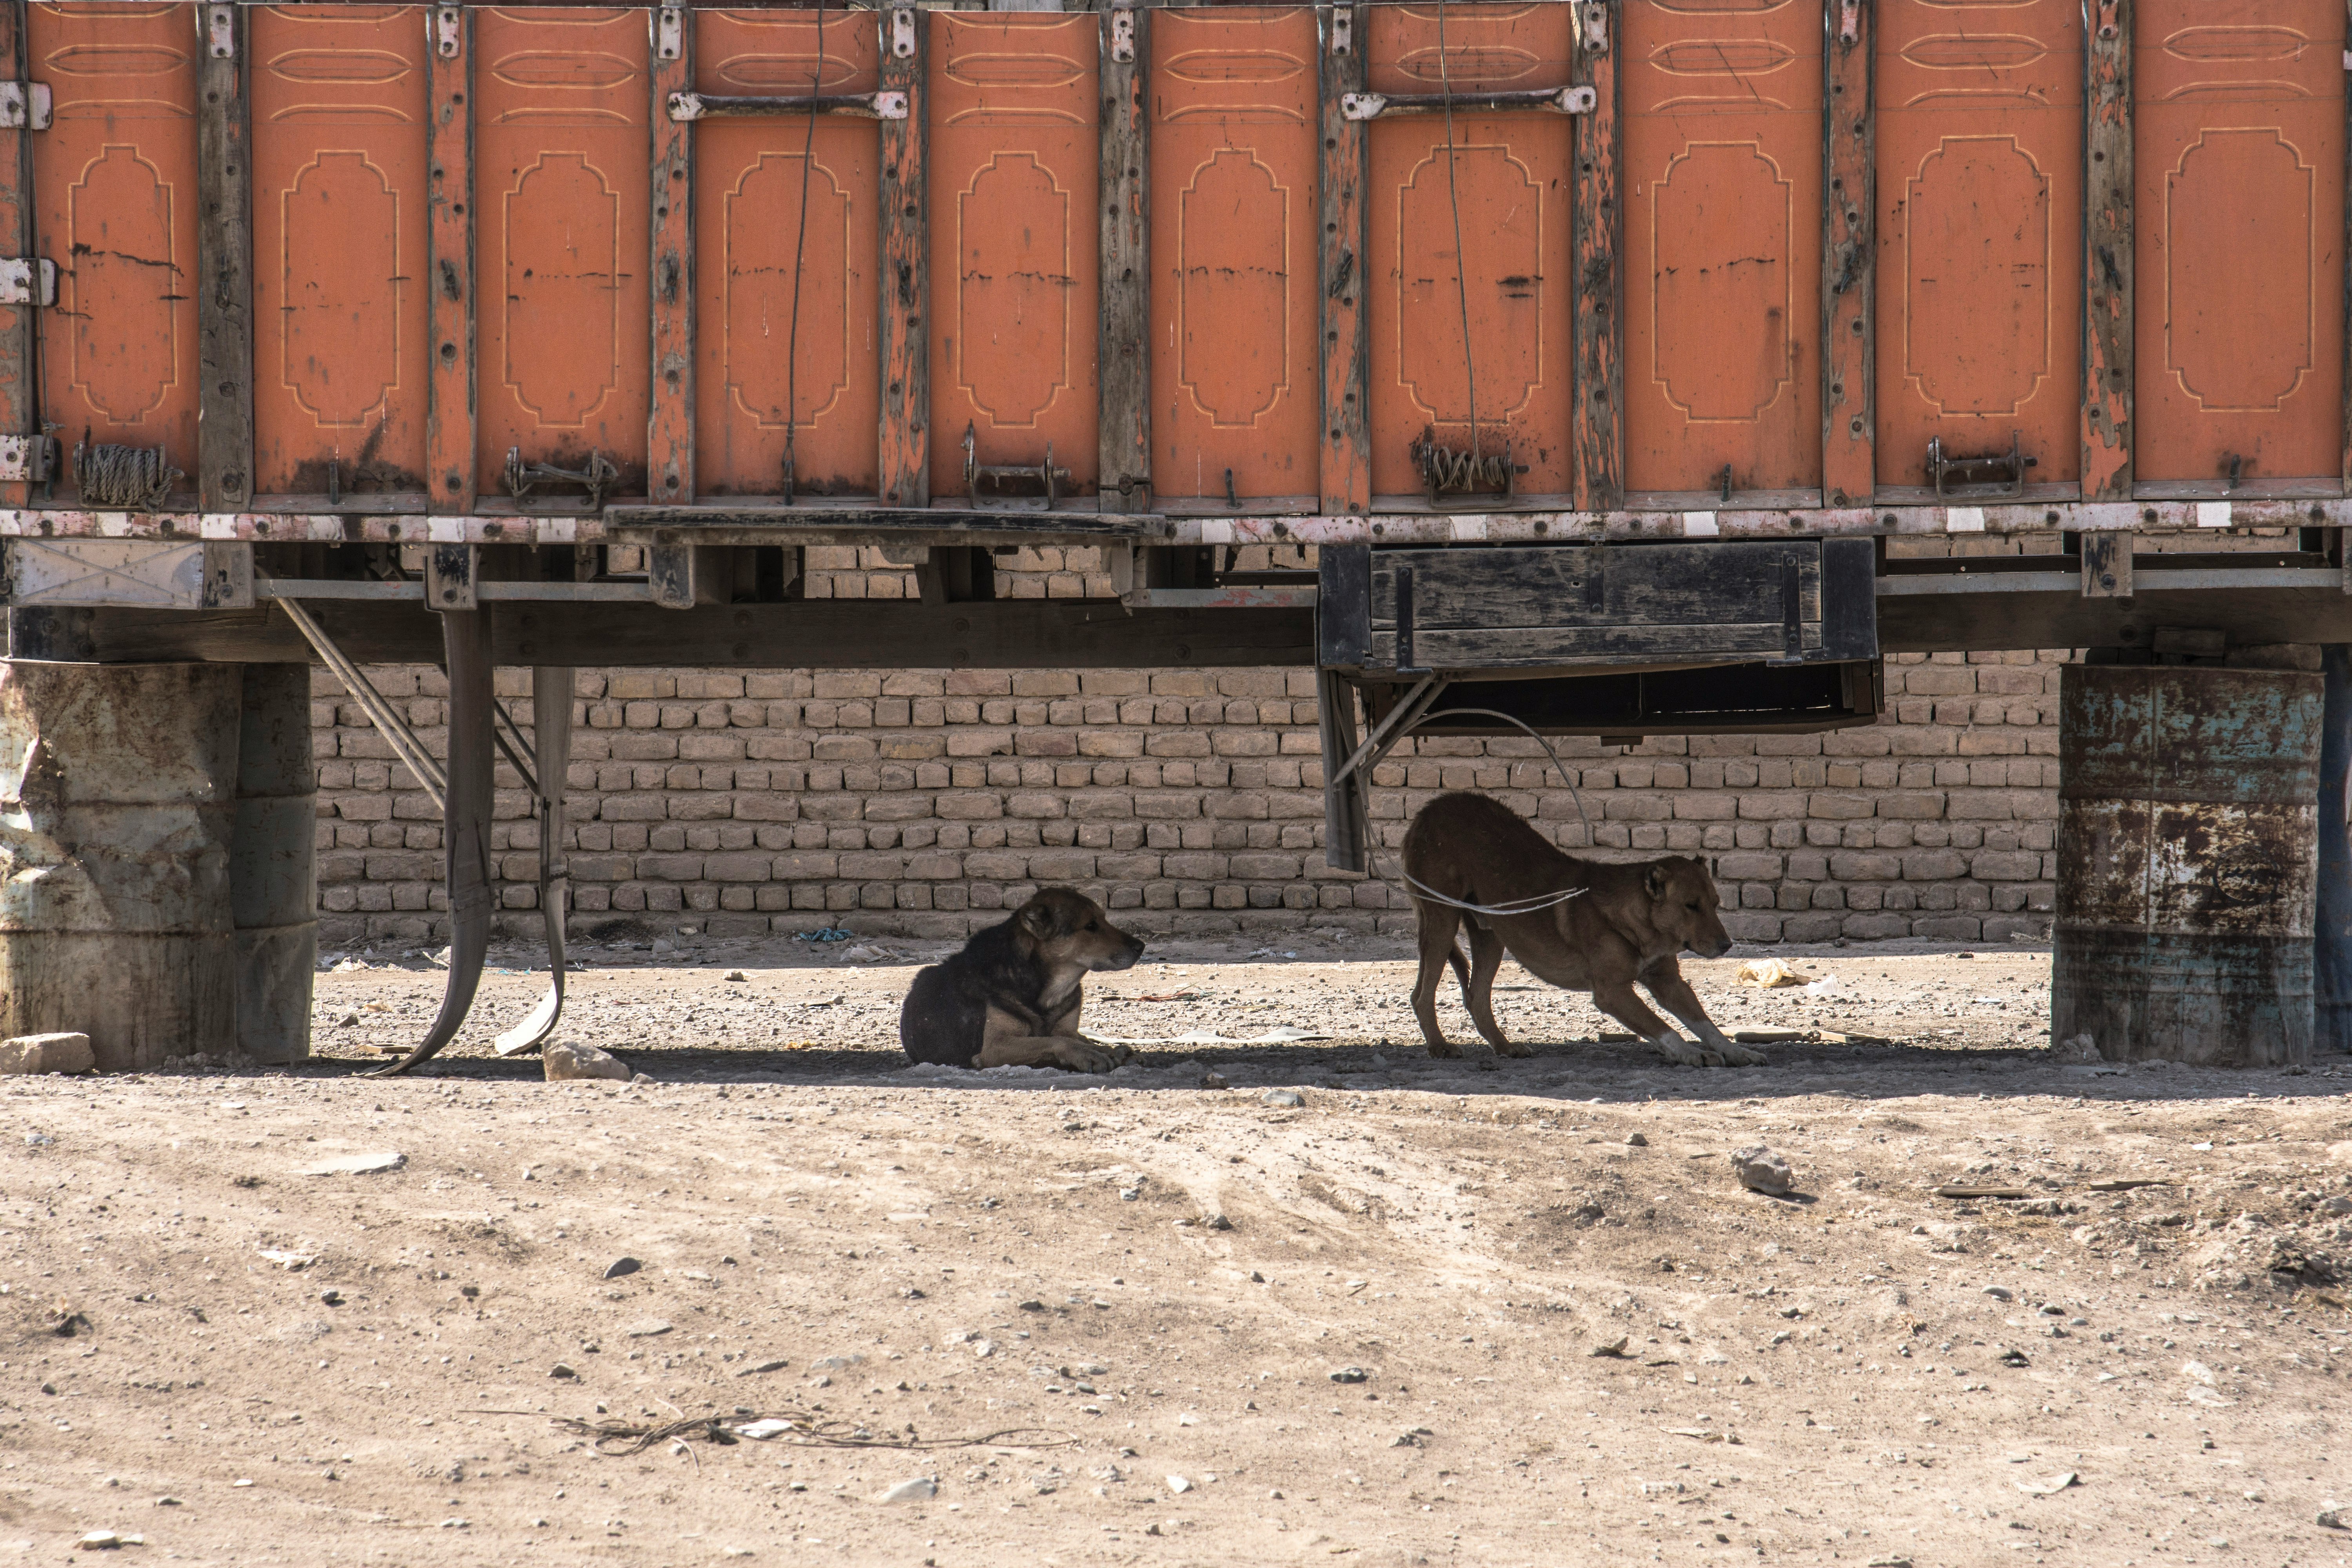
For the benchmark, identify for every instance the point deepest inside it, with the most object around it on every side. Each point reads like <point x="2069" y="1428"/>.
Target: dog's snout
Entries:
<point x="1128" y="956"/>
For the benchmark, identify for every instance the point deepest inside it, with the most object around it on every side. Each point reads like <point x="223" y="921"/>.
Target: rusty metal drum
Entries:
<point x="117" y="812"/>
<point x="273" y="864"/>
<point x="2188" y="863"/>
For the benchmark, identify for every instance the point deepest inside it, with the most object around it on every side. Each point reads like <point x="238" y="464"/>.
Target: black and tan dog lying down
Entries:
<point x="1011" y="998"/>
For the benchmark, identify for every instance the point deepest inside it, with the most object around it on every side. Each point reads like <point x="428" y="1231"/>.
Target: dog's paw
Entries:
<point x="1513" y="1049"/>
<point x="1740" y="1056"/>
<point x="1443" y="1048"/>
<point x="1682" y="1052"/>
<point x="1082" y="1056"/>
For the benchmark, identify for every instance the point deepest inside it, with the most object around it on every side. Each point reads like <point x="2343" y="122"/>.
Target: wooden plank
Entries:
<point x="1341" y="263"/>
<point x="17" y="394"/>
<point x="2107" y="238"/>
<point x="223" y="263"/>
<point x="1849" y="264"/>
<point x="830" y="634"/>
<point x="904" y="329"/>
<point x="669" y="426"/>
<point x="1123" y="438"/>
<point x="2107" y="565"/>
<point x="1598" y="218"/>
<point x="449" y="143"/>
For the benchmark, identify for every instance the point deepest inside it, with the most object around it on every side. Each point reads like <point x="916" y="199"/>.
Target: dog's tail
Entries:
<point x="1460" y="966"/>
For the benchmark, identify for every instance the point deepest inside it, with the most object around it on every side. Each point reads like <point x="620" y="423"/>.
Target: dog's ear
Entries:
<point x="1653" y="882"/>
<point x="1036" y="918"/>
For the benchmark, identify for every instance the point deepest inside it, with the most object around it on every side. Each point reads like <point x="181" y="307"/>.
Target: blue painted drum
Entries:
<point x="2188" y="863"/>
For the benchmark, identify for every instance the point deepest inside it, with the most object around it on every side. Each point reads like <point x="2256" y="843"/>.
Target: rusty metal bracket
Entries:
<point x="1122" y="35"/>
<point x="28" y="281"/>
<point x="669" y="33"/>
<point x="601" y="475"/>
<point x="686" y="106"/>
<point x="2005" y="469"/>
<point x="1552" y="100"/>
<point x="1445" y="471"/>
<point x="28" y="459"/>
<point x="2237" y="469"/>
<point x="25" y="106"/>
<point x="2109" y="27"/>
<point x="1343" y="29"/>
<point x="1849" y="21"/>
<point x="1050" y="478"/>
<point x="1594" y="16"/>
<point x="448" y="30"/>
<point x="902" y="32"/>
<point x="219" y="26"/>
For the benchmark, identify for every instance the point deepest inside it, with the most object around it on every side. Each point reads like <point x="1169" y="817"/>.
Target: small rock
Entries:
<point x="1216" y="1222"/>
<point x="765" y="1367"/>
<point x="1635" y="1140"/>
<point x="372" y="1164"/>
<point x="330" y="1298"/>
<point x="564" y="1061"/>
<point x="1760" y="1170"/>
<point x="2332" y="1517"/>
<point x="46" y="1053"/>
<point x="621" y="1265"/>
<point x="1998" y="1292"/>
<point x="1215" y="1080"/>
<point x="646" y="1329"/>
<point x="983" y="1347"/>
<point x="1890" y="1562"/>
<point x="835" y="1363"/>
<point x="97" y="1540"/>
<point x="560" y="1370"/>
<point x="1288" y="1096"/>
<point x="923" y="1489"/>
<point x="2014" y="1358"/>
<point x="735" y="974"/>
<point x="1031" y="1306"/>
<point x="1349" y="1374"/>
<point x="1178" y="1484"/>
<point x="1615" y="1347"/>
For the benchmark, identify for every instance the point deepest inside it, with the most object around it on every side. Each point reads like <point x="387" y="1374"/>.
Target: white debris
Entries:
<point x="2050" y="1485"/>
<point x="368" y="1165"/>
<point x="760" y="1431"/>
<point x="46" y="1053"/>
<point x="563" y="1060"/>
<point x="921" y="1488"/>
<point x="288" y="1260"/>
<point x="1178" y="1484"/>
<point x="646" y="1329"/>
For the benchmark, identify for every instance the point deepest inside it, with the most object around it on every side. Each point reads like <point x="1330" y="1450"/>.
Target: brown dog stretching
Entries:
<point x="1010" y="997"/>
<point x="1627" y="925"/>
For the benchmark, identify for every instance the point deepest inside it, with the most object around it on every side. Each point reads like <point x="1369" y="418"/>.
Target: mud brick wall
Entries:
<point x="924" y="802"/>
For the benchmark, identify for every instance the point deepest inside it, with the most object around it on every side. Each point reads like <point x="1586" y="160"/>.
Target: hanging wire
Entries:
<point x="1453" y="200"/>
<point x="1534" y="903"/>
<point x="800" y="264"/>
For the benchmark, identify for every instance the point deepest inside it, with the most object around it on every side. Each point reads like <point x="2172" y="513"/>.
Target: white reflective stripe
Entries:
<point x="1469" y="528"/>
<point x="1700" y="525"/>
<point x="1217" y="530"/>
<point x="2212" y="514"/>
<point x="1964" y="520"/>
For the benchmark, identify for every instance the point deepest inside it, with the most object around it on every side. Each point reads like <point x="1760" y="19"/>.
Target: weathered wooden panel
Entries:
<point x="1723" y="245"/>
<point x="1345" y="432"/>
<point x="450" y="415"/>
<point x="1506" y="191"/>
<point x="2239" y="106"/>
<point x="2187" y="863"/>
<point x="2108" y="264"/>
<point x="1599" y="251"/>
<point x="903" y="326"/>
<point x="114" y="185"/>
<point x="1233" y="247"/>
<point x="1849" y="270"/>
<point x="1012" y="164"/>
<point x="671" y="421"/>
<point x="1123" y="205"/>
<point x="339" y="103"/>
<point x="561" y="144"/>
<point x="223" y="264"/>
<point x="786" y="350"/>
<point x="1980" y="129"/>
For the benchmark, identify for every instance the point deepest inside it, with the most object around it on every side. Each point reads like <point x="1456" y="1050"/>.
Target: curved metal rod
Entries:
<point x="551" y="728"/>
<point x="464" y="826"/>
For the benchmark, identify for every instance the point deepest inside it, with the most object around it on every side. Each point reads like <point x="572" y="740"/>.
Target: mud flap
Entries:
<point x="551" y="707"/>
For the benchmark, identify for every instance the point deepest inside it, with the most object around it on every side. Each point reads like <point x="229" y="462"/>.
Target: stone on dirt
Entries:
<point x="374" y="1164"/>
<point x="1760" y="1170"/>
<point x="921" y="1488"/>
<point x="46" y="1053"/>
<point x="1290" y="1097"/>
<point x="566" y="1061"/>
<point x="621" y="1266"/>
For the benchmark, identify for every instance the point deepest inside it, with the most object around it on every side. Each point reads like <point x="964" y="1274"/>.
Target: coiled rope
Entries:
<point x="135" y="478"/>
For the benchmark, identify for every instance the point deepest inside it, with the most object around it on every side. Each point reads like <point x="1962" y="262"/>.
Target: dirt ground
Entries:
<point x="1477" y="1311"/>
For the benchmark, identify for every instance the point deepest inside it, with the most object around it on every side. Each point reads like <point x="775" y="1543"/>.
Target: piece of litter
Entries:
<point x="285" y="1259"/>
<point x="1770" y="973"/>
<point x="1178" y="1484"/>
<point x="760" y="1431"/>
<point x="2048" y="1485"/>
<point x="357" y="1165"/>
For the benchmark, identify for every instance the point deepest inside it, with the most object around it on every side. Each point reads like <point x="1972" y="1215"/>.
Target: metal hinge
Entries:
<point x="448" y="30"/>
<point x="669" y="33"/>
<point x="2109" y="26"/>
<point x="1343" y="29"/>
<point x="28" y="281"/>
<point x="28" y="458"/>
<point x="902" y="32"/>
<point x="685" y="106"/>
<point x="220" y="32"/>
<point x="1595" y="18"/>
<point x="24" y="105"/>
<point x="1122" y="36"/>
<point x="1849" y="21"/>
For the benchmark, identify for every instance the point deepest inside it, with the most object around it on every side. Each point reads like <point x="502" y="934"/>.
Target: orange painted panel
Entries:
<point x="2238" y="160"/>
<point x="1510" y="179"/>
<point x="1979" y="233"/>
<point x="1723" y="244"/>
<point x="114" y="184"/>
<point x="339" y="266"/>
<point x="1015" y="291"/>
<point x="560" y="150"/>
<point x="1233" y="243"/>
<point x="749" y="244"/>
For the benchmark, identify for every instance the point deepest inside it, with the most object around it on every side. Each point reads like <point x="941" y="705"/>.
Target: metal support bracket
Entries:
<point x="1122" y="36"/>
<point x="2107" y="565"/>
<point x="1595" y="17"/>
<point x="28" y="460"/>
<point x="24" y="105"/>
<point x="1343" y="29"/>
<point x="448" y="29"/>
<point x="28" y="281"/>
<point x="2005" y="470"/>
<point x="902" y="32"/>
<point x="220" y="31"/>
<point x="669" y="33"/>
<point x="1849" y="21"/>
<point x="684" y="106"/>
<point x="1390" y="729"/>
<point x="1375" y="105"/>
<point x="451" y="574"/>
<point x="380" y="713"/>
